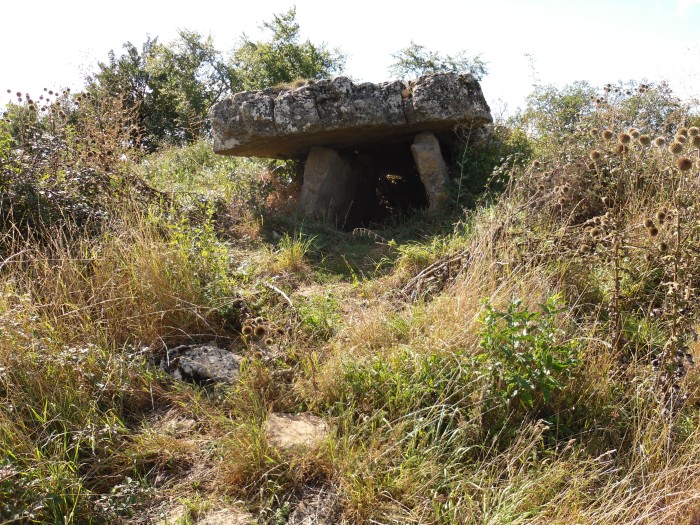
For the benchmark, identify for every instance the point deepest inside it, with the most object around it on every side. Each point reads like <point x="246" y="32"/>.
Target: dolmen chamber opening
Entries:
<point x="356" y="140"/>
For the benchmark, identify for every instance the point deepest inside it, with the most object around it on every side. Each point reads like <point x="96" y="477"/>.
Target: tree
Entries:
<point x="417" y="60"/>
<point x="283" y="58"/>
<point x="172" y="86"/>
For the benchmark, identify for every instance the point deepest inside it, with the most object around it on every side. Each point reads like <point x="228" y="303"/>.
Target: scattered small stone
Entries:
<point x="203" y="364"/>
<point x="293" y="431"/>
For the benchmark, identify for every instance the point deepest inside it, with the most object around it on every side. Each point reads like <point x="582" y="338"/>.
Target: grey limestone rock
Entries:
<point x="287" y="123"/>
<point x="205" y="363"/>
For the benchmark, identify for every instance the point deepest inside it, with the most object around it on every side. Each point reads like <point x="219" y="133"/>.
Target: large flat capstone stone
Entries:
<point x="338" y="114"/>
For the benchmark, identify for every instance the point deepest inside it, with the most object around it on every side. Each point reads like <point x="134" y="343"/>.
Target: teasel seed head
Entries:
<point x="694" y="131"/>
<point x="595" y="155"/>
<point x="675" y="147"/>
<point x="648" y="223"/>
<point x="663" y="247"/>
<point x="659" y="141"/>
<point x="645" y="140"/>
<point x="653" y="231"/>
<point x="624" y="138"/>
<point x="634" y="133"/>
<point x="684" y="164"/>
<point x="682" y="131"/>
<point x="260" y="331"/>
<point x="608" y="134"/>
<point x="247" y="330"/>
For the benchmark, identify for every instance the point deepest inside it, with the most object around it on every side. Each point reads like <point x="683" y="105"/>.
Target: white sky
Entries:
<point x="54" y="43"/>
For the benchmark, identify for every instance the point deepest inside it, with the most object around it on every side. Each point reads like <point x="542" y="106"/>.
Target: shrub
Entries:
<point x="525" y="353"/>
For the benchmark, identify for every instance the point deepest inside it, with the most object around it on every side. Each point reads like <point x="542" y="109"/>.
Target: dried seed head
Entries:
<point x="536" y="164"/>
<point x="648" y="223"/>
<point x="260" y="331"/>
<point x="681" y="138"/>
<point x="593" y="132"/>
<point x="634" y="133"/>
<point x="595" y="232"/>
<point x="608" y="134"/>
<point x="621" y="149"/>
<point x="653" y="231"/>
<point x="645" y="140"/>
<point x="595" y="154"/>
<point x="280" y="331"/>
<point x="694" y="131"/>
<point x="696" y="141"/>
<point x="661" y="216"/>
<point x="247" y="330"/>
<point x="684" y="164"/>
<point x="663" y="247"/>
<point x="648" y="257"/>
<point x="659" y="141"/>
<point x="269" y="341"/>
<point x="565" y="188"/>
<point x="675" y="147"/>
<point x="258" y="320"/>
<point x="682" y="131"/>
<point x="624" y="138"/>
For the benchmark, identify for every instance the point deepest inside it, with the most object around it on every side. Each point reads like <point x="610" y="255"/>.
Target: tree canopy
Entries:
<point x="416" y="60"/>
<point x="172" y="86"/>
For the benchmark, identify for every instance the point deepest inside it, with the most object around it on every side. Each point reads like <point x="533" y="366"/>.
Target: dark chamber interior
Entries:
<point x="391" y="188"/>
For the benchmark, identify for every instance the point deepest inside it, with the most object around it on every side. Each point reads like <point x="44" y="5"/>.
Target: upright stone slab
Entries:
<point x="431" y="168"/>
<point x="329" y="185"/>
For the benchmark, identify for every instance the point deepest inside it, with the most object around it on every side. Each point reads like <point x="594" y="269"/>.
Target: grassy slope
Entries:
<point x="423" y="433"/>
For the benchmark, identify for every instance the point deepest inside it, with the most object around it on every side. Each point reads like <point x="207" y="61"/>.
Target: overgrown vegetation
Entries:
<point x="527" y="358"/>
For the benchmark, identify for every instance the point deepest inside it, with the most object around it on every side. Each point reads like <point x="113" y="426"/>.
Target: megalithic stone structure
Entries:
<point x="342" y="130"/>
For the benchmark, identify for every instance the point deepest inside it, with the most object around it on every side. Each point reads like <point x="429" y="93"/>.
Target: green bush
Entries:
<point x="524" y="352"/>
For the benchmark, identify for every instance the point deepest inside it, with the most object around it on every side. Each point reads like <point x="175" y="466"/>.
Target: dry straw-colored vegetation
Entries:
<point x="529" y="359"/>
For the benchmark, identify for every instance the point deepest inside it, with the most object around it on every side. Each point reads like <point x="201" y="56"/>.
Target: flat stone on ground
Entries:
<point x="291" y="431"/>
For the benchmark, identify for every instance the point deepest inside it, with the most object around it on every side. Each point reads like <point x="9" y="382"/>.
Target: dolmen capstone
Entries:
<point x="354" y="138"/>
